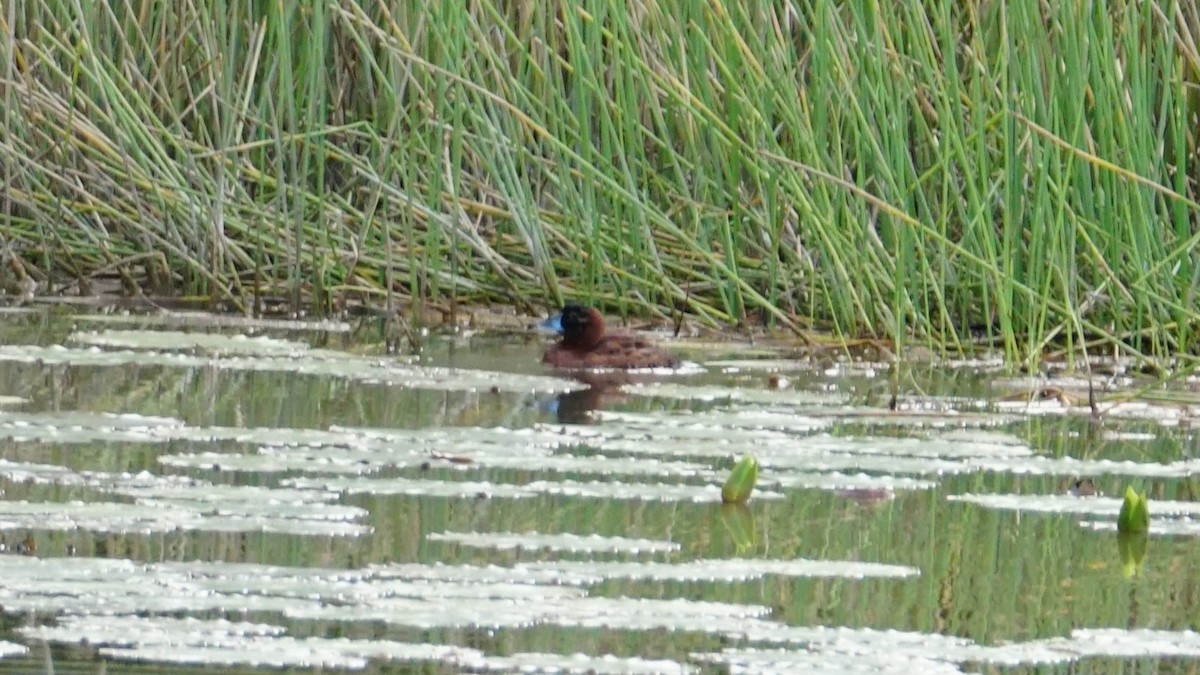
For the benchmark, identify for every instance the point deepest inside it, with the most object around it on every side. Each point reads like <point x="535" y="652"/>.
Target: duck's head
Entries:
<point x="581" y="327"/>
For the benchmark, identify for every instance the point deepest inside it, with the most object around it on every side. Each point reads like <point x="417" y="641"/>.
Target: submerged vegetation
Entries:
<point x="1015" y="175"/>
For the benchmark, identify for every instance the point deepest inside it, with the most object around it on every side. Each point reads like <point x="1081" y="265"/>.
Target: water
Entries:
<point x="175" y="502"/>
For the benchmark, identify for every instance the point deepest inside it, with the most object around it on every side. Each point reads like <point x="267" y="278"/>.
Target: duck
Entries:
<point x="586" y="345"/>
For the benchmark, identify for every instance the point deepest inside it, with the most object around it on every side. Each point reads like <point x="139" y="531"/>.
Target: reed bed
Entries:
<point x="957" y="174"/>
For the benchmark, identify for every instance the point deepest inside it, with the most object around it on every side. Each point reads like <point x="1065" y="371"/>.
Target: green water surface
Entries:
<point x="987" y="575"/>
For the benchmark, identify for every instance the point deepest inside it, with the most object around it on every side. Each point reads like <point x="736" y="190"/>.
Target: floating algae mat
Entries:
<point x="184" y="493"/>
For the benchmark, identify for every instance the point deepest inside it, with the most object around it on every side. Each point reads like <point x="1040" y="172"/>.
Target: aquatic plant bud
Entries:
<point x="1135" y="512"/>
<point x="741" y="481"/>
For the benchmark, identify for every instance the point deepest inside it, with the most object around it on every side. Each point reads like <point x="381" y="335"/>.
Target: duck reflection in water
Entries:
<point x="576" y="407"/>
<point x="1084" y="487"/>
<point x="599" y="358"/>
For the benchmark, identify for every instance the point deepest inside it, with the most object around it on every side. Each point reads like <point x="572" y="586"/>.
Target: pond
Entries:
<point x="273" y="496"/>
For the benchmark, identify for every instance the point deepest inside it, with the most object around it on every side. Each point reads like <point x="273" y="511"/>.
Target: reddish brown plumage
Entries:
<point x="585" y="344"/>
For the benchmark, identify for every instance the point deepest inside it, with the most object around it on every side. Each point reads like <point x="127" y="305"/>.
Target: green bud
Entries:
<point x="741" y="481"/>
<point x="1135" y="512"/>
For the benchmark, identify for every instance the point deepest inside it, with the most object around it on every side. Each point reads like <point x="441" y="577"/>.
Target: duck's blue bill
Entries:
<point x="553" y="323"/>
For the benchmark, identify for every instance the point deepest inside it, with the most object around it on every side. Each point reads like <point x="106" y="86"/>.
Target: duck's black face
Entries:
<point x="576" y="321"/>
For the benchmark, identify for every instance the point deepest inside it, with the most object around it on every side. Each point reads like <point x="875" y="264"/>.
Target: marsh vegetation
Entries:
<point x="1018" y="176"/>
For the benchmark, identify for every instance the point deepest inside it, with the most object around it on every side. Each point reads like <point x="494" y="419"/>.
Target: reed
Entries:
<point x="1013" y="176"/>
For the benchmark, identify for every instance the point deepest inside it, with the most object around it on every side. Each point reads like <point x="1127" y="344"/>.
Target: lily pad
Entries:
<point x="224" y="643"/>
<point x="529" y="662"/>
<point x="739" y="569"/>
<point x="1097" y="506"/>
<point x="166" y="340"/>
<point x="324" y="364"/>
<point x="555" y="542"/>
<point x="731" y="394"/>
<point x="477" y="489"/>
<point x="168" y="503"/>
<point x="211" y="320"/>
<point x="153" y="517"/>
